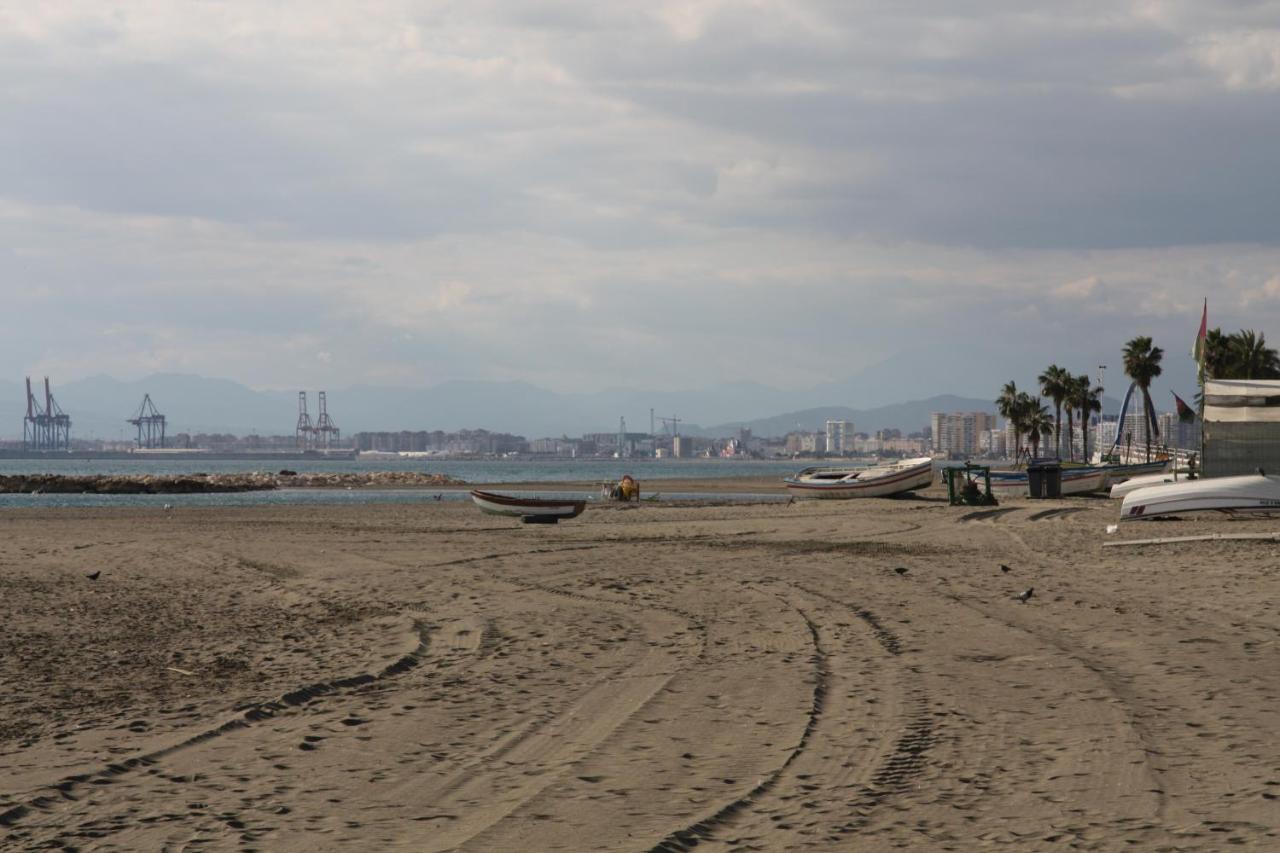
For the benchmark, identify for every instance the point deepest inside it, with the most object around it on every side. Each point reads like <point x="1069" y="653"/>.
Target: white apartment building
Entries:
<point x="957" y="434"/>
<point x="840" y="437"/>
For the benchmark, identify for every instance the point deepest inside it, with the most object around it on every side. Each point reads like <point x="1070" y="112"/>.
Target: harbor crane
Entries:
<point x="326" y="431"/>
<point x="671" y="424"/>
<point x="150" y="424"/>
<point x="45" y="427"/>
<point x="305" y="431"/>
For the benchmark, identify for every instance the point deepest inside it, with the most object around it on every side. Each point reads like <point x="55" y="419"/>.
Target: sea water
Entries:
<point x="468" y="470"/>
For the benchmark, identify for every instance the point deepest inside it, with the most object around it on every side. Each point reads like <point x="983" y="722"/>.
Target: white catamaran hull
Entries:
<point x="842" y="484"/>
<point x="1248" y="493"/>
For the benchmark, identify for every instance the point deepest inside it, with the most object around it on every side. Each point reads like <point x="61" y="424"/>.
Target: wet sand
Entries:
<point x="730" y="677"/>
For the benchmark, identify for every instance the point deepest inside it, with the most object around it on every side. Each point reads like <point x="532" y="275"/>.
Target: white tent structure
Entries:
<point x="1241" y="427"/>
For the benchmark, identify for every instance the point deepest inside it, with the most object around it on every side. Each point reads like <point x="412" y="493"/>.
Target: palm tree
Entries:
<point x="1054" y="385"/>
<point x="1239" y="355"/>
<point x="1088" y="400"/>
<point x="1035" y="420"/>
<point x="1251" y="358"/>
<point x="1007" y="406"/>
<point x="1217" y="355"/>
<point x="1142" y="364"/>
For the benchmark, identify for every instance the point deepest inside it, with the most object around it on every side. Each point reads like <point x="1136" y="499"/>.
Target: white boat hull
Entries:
<point x="1248" y="493"/>
<point x="866" y="483"/>
<point x="1124" y="487"/>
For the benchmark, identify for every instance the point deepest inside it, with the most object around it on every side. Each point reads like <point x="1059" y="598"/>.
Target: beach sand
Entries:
<point x="731" y="677"/>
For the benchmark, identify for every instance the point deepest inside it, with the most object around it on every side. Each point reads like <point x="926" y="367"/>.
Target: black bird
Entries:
<point x="93" y="576"/>
<point x="439" y="497"/>
<point x="1004" y="568"/>
<point x="1026" y="594"/>
<point x="902" y="570"/>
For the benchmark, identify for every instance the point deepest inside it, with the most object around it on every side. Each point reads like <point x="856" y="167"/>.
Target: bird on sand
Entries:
<point x="1026" y="594"/>
<point x="93" y="576"/>
<point x="1004" y="568"/>
<point x="902" y="570"/>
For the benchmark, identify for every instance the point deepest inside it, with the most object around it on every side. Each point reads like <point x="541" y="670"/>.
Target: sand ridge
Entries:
<point x="731" y="677"/>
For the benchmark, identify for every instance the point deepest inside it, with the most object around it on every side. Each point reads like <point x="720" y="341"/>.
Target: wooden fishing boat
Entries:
<point x="880" y="481"/>
<point x="1247" y="493"/>
<point x="530" y="510"/>
<point x="1123" y="473"/>
<point x="1075" y="481"/>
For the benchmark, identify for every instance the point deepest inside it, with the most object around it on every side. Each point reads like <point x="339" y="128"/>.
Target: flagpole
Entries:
<point x="1201" y="345"/>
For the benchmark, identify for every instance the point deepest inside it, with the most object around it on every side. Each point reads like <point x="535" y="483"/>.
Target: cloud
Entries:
<point x="1081" y="288"/>
<point x="586" y="194"/>
<point x="1268" y="294"/>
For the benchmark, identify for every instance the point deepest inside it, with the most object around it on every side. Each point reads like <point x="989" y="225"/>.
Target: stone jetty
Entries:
<point x="151" y="484"/>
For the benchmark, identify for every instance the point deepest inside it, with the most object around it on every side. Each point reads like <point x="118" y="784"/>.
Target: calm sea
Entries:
<point x="472" y="471"/>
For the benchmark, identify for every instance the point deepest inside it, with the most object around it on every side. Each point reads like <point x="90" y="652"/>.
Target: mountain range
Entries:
<point x="99" y="407"/>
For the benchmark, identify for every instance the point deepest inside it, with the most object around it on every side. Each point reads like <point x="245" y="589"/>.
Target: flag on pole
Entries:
<point x="1186" y="414"/>
<point x="1198" y="349"/>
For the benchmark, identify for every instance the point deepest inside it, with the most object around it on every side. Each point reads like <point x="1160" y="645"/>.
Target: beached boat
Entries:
<point x="1247" y="493"/>
<point x="1123" y="473"/>
<point x="1075" y="481"/>
<point x="531" y="510"/>
<point x="1120" y="489"/>
<point x="880" y="481"/>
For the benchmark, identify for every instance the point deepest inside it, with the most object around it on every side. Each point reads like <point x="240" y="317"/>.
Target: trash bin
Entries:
<point x="1035" y="481"/>
<point x="1053" y="481"/>
<point x="1044" y="480"/>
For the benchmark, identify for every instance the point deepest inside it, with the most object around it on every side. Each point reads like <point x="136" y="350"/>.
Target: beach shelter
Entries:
<point x="1241" y="427"/>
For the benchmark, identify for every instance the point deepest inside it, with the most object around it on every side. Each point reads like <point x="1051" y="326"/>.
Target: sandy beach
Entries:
<point x="823" y="675"/>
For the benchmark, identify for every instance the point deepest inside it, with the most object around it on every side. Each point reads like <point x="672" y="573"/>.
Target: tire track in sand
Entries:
<point x="701" y="830"/>
<point x="66" y="790"/>
<point x="564" y="741"/>
<point x="905" y="759"/>
<point x="891" y="773"/>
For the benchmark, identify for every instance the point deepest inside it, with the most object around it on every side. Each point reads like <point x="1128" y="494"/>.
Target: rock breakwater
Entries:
<point x="149" y="484"/>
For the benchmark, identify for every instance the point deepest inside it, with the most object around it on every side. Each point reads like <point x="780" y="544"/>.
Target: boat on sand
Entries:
<point x="1124" y="487"/>
<point x="530" y="510"/>
<point x="1124" y="473"/>
<point x="1247" y="493"/>
<point x="880" y="481"/>
<point x="1075" y="481"/>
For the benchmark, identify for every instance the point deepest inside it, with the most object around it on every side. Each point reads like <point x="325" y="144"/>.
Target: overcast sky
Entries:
<point x="587" y="194"/>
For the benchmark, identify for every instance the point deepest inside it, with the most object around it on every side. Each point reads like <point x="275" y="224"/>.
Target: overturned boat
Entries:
<point x="1247" y="493"/>
<point x="880" y="481"/>
<point x="1120" y="489"/>
<point x="529" y="510"/>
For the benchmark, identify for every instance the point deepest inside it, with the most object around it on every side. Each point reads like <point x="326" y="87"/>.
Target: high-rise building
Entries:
<point x="840" y="437"/>
<point x="957" y="434"/>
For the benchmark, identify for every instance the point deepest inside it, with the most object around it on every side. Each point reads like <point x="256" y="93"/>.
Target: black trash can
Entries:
<point x="1035" y="481"/>
<point x="1044" y="480"/>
